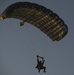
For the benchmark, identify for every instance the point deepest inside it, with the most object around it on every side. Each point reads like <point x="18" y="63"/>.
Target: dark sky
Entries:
<point x="20" y="45"/>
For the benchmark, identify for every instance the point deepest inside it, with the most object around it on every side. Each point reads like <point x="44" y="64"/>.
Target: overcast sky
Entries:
<point x="20" y="45"/>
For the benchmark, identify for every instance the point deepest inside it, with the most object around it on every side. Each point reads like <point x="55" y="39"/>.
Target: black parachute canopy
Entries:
<point x="39" y="16"/>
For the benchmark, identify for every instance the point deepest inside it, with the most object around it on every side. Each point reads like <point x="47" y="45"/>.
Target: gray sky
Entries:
<point x="20" y="45"/>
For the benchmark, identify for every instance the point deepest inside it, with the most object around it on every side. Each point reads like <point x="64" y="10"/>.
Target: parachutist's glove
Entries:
<point x="37" y="56"/>
<point x="42" y="58"/>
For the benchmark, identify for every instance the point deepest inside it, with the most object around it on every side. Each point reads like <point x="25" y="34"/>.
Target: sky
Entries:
<point x="19" y="46"/>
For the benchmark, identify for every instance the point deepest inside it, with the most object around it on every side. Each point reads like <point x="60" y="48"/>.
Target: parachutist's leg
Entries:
<point x="21" y="23"/>
<point x="39" y="69"/>
<point x="44" y="69"/>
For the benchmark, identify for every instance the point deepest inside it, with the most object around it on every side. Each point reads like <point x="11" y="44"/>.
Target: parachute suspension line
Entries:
<point x="30" y="18"/>
<point x="43" y="49"/>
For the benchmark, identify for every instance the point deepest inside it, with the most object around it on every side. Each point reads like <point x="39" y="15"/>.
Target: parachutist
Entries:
<point x="40" y="63"/>
<point x="21" y="23"/>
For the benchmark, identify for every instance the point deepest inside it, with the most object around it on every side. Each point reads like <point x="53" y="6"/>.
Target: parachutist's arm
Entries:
<point x="43" y="61"/>
<point x="37" y="58"/>
<point x="40" y="57"/>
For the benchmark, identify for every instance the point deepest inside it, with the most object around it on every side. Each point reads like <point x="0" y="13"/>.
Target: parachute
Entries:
<point x="39" y="16"/>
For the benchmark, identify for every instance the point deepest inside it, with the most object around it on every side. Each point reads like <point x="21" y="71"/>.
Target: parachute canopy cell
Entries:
<point x="39" y="16"/>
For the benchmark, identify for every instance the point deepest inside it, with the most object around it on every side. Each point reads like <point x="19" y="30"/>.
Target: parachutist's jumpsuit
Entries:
<point x="40" y="64"/>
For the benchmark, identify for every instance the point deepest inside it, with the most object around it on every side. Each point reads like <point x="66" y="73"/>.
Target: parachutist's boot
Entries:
<point x="44" y="71"/>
